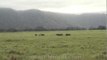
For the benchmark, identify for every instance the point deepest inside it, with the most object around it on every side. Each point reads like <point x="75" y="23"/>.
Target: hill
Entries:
<point x="33" y="18"/>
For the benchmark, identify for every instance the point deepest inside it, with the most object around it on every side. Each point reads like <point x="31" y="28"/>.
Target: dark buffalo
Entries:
<point x="68" y="34"/>
<point x="59" y="34"/>
<point x="41" y="34"/>
<point x="36" y="34"/>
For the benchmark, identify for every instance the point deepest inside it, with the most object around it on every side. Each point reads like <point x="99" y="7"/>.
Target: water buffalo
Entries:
<point x="68" y="34"/>
<point x="36" y="34"/>
<point x="59" y="34"/>
<point x="41" y="34"/>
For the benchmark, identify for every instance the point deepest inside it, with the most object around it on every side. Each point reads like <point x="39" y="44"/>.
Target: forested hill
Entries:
<point x="33" y="19"/>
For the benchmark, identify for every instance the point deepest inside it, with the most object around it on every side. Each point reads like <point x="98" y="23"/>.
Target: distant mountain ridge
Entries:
<point x="10" y="18"/>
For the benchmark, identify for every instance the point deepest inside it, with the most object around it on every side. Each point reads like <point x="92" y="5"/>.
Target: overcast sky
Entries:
<point x="62" y="6"/>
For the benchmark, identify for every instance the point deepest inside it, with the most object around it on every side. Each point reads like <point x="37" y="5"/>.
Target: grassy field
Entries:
<point x="81" y="45"/>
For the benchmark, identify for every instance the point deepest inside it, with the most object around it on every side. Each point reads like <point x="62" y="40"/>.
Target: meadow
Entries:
<point x="81" y="45"/>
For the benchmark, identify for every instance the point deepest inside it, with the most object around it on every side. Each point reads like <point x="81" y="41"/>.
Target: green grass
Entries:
<point x="81" y="45"/>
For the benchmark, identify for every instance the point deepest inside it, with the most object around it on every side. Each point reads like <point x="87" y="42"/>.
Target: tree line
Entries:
<point x="41" y="28"/>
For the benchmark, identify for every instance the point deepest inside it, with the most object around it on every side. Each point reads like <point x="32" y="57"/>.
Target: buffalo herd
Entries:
<point x="56" y="34"/>
<point x="39" y="34"/>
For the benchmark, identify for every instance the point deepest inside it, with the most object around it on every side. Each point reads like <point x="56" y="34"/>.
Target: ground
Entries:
<point x="81" y="45"/>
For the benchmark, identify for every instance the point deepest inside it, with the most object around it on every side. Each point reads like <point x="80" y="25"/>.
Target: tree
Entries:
<point x="12" y="30"/>
<point x="101" y="27"/>
<point x="40" y="28"/>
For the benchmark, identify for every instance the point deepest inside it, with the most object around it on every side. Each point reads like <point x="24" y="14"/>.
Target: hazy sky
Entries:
<point x="63" y="6"/>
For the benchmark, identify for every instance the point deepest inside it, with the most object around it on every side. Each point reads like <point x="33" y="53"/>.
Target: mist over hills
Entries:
<point x="33" y="18"/>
